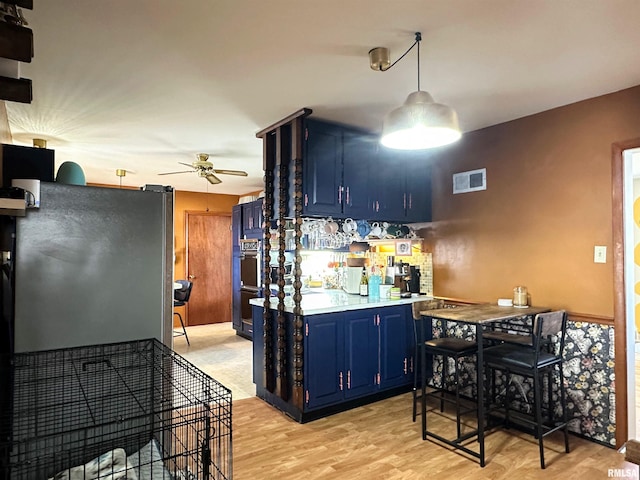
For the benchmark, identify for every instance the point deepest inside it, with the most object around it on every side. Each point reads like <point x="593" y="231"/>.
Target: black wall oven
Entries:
<point x="250" y="279"/>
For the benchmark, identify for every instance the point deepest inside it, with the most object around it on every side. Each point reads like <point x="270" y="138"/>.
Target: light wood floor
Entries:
<point x="219" y="352"/>
<point x="379" y="441"/>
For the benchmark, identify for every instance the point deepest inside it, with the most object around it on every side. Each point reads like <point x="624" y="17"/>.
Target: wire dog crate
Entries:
<point x="131" y="410"/>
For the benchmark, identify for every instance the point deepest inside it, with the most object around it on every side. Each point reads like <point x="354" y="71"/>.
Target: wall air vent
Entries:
<point x="470" y="181"/>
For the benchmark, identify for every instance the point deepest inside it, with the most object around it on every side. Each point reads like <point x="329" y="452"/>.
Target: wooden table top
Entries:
<point x="484" y="313"/>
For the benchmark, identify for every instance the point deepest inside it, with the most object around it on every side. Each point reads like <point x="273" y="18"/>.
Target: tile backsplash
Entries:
<point x="419" y="259"/>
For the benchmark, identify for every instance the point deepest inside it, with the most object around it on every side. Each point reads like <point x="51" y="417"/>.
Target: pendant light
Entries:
<point x="420" y="122"/>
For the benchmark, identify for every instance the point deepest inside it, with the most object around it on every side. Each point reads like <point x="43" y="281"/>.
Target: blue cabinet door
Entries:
<point x="396" y="345"/>
<point x="357" y="170"/>
<point x="324" y="360"/>
<point x="418" y="188"/>
<point x="252" y="219"/>
<point x="390" y="186"/>
<point x="322" y="169"/>
<point x="361" y="352"/>
<point x="256" y="211"/>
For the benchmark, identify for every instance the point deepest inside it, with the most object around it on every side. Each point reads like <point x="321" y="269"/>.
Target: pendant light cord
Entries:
<point x="417" y="42"/>
<point x="418" y="38"/>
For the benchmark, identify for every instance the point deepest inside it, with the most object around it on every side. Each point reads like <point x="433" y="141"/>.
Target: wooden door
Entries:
<point x="208" y="240"/>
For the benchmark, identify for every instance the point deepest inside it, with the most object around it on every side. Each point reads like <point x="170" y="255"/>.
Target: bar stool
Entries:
<point x="180" y="299"/>
<point x="447" y="347"/>
<point x="534" y="361"/>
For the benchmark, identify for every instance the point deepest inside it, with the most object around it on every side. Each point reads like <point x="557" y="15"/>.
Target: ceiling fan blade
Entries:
<point x="231" y="172"/>
<point x="173" y="173"/>
<point x="213" y="179"/>
<point x="186" y="164"/>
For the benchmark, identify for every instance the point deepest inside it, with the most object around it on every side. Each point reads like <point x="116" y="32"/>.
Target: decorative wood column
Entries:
<point x="283" y="141"/>
<point x="282" y="151"/>
<point x="298" y="333"/>
<point x="268" y="148"/>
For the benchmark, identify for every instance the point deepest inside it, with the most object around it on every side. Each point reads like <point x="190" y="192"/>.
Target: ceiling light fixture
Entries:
<point x="420" y="122"/>
<point x="121" y="172"/>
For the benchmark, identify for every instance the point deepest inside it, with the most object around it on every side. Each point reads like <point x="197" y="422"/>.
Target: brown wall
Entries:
<point x="547" y="204"/>
<point x="194" y="202"/>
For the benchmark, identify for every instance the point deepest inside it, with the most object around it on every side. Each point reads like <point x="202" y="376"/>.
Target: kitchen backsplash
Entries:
<point x="419" y="259"/>
<point x="321" y="264"/>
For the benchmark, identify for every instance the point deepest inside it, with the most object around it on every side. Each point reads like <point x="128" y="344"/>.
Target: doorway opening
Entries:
<point x="631" y="229"/>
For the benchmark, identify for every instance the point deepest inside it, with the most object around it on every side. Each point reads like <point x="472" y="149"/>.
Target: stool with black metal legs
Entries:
<point x="180" y="298"/>
<point x="541" y="358"/>
<point x="416" y="308"/>
<point x="447" y="347"/>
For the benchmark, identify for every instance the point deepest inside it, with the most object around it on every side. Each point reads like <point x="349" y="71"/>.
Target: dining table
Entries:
<point x="480" y="316"/>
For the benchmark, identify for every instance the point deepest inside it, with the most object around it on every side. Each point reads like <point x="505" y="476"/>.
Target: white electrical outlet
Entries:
<point x="600" y="254"/>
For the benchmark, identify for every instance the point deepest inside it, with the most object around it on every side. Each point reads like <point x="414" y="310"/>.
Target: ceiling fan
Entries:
<point x="204" y="168"/>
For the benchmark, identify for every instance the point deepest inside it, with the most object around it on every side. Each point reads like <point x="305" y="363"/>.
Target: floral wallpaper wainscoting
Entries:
<point x="589" y="378"/>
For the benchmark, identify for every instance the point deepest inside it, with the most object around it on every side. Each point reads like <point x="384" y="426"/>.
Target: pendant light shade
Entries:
<point x="420" y="123"/>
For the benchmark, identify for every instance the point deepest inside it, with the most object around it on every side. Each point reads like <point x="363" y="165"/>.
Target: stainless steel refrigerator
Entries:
<point x="93" y="265"/>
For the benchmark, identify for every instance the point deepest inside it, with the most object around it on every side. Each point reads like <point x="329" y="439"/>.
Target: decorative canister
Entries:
<point x="520" y="297"/>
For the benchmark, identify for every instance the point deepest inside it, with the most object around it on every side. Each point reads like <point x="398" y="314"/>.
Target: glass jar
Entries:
<point x="520" y="297"/>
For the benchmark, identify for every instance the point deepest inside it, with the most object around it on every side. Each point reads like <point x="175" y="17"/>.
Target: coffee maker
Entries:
<point x="413" y="284"/>
<point x="401" y="276"/>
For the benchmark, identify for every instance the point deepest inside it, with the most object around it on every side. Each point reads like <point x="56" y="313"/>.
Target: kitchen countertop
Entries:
<point x="317" y="301"/>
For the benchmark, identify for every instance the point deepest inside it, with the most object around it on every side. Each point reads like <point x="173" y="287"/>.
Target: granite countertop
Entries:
<point x="317" y="300"/>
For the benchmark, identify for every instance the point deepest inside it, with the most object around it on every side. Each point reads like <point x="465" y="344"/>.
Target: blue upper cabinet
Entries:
<point x="403" y="186"/>
<point x="357" y="171"/>
<point x="346" y="173"/>
<point x="389" y="185"/>
<point x="252" y="219"/>
<point x="418" y="187"/>
<point x="322" y="169"/>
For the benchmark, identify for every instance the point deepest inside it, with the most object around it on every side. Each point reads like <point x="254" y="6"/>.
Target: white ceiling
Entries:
<point x="144" y="84"/>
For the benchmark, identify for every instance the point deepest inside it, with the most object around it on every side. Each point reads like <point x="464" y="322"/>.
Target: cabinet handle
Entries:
<point x="405" y="366"/>
<point x="340" y="378"/>
<point x="306" y="200"/>
<point x="377" y="206"/>
<point x="411" y="364"/>
<point x="348" y="379"/>
<point x="340" y="194"/>
<point x="404" y="200"/>
<point x="410" y="198"/>
<point x="348" y="201"/>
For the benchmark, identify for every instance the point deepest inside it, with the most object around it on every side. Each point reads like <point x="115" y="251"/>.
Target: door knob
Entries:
<point x="191" y="277"/>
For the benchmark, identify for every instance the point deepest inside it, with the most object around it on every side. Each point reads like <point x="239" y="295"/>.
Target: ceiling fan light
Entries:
<point x="420" y="123"/>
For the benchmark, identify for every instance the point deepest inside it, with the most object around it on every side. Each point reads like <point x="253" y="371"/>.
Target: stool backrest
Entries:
<point x="183" y="293"/>
<point x="422" y="305"/>
<point x="548" y="325"/>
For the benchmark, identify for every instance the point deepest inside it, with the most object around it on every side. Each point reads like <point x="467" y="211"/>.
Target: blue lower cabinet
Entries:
<point x="356" y="353"/>
<point x="396" y="346"/>
<point x="324" y="360"/>
<point x="361" y="353"/>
